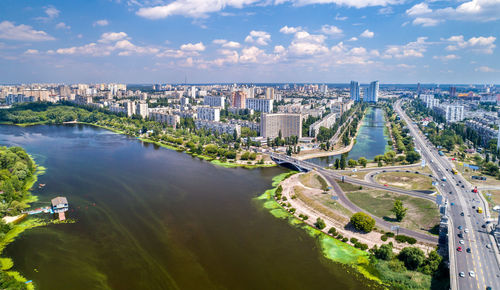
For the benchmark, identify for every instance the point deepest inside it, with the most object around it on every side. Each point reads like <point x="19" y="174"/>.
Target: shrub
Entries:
<point x="345" y="240"/>
<point x="292" y="210"/>
<point x="412" y="257"/>
<point x="384" y="252"/>
<point x="362" y="222"/>
<point x="383" y="238"/>
<point x="363" y="246"/>
<point x="405" y="239"/>
<point x="320" y="223"/>
<point x="332" y="231"/>
<point x="390" y="234"/>
<point x="340" y="237"/>
<point x="354" y="240"/>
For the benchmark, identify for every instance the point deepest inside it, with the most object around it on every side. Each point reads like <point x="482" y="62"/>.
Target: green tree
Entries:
<point x="362" y="161"/>
<point x="337" y="163"/>
<point x="342" y="162"/>
<point x="362" y="222"/>
<point x="384" y="252"/>
<point x="412" y="257"/>
<point x="352" y="163"/>
<point x="320" y="223"/>
<point x="412" y="156"/>
<point x="399" y="210"/>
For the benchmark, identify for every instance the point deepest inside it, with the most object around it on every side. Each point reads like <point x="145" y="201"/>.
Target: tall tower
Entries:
<point x="354" y="91"/>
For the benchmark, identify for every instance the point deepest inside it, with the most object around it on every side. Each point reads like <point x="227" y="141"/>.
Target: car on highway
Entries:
<point x="451" y="192"/>
<point x="488" y="246"/>
<point x="461" y="274"/>
<point x="459" y="249"/>
<point x="407" y="171"/>
<point x="468" y="250"/>
<point x="461" y="242"/>
<point x="463" y="186"/>
<point x="460" y="227"/>
<point x="466" y="231"/>
<point x="460" y="235"/>
<point x="483" y="226"/>
<point x="457" y="184"/>
<point x="472" y="274"/>
<point x="386" y="184"/>
<point x="462" y="213"/>
<point x="384" y="171"/>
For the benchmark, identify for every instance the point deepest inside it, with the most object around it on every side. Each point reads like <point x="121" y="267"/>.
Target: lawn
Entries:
<point x="313" y="180"/>
<point x="406" y="180"/>
<point x="322" y="203"/>
<point x="422" y="214"/>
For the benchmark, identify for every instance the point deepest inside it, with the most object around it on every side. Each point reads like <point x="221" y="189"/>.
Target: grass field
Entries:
<point x="422" y="214"/>
<point x="493" y="198"/>
<point x="358" y="174"/>
<point x="406" y="180"/>
<point x="313" y="180"/>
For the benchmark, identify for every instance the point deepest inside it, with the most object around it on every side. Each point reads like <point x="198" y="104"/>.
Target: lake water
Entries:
<point x="370" y="141"/>
<point x="152" y="218"/>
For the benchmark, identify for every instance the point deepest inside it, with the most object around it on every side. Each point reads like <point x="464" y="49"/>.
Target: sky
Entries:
<point x="265" y="41"/>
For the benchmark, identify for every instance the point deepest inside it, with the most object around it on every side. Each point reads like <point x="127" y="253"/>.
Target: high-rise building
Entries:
<point x="372" y="93"/>
<point x="142" y="109"/>
<point x="238" y="100"/>
<point x="270" y="93"/>
<point x="208" y="114"/>
<point x="288" y="124"/>
<point x="451" y="113"/>
<point x="214" y="101"/>
<point x="453" y="92"/>
<point x="418" y="89"/>
<point x="260" y="105"/>
<point x="130" y="108"/>
<point x="324" y="89"/>
<point x="355" y="91"/>
<point x="250" y="92"/>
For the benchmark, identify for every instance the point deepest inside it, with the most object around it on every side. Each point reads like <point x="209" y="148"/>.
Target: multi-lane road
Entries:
<point x="478" y="258"/>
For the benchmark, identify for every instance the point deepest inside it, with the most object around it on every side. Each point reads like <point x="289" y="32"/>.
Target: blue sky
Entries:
<point x="333" y="41"/>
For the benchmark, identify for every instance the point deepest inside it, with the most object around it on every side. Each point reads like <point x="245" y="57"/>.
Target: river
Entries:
<point x="370" y="141"/>
<point x="152" y="218"/>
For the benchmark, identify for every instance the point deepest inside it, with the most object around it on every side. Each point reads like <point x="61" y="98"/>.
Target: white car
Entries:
<point x="461" y="274"/>
<point x="466" y="231"/>
<point x="461" y="242"/>
<point x="488" y="246"/>
<point x="472" y="274"/>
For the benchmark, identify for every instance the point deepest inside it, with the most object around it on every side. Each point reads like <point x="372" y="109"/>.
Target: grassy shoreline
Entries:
<point x="331" y="248"/>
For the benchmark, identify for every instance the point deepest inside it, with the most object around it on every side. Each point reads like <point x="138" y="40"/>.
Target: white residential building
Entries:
<point x="142" y="109"/>
<point x="260" y="105"/>
<point x="451" y="113"/>
<point x="162" y="117"/>
<point x="214" y="101"/>
<point x="208" y="114"/>
<point x="288" y="124"/>
<point x="218" y="126"/>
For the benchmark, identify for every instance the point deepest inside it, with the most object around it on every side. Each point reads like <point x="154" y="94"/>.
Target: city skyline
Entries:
<point x="267" y="41"/>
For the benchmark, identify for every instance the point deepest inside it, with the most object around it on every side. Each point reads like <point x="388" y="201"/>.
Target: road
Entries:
<point x="481" y="260"/>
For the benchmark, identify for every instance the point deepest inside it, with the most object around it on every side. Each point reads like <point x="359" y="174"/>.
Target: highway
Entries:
<point x="483" y="261"/>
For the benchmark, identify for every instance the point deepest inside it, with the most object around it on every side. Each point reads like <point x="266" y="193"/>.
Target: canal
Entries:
<point x="151" y="218"/>
<point x="371" y="139"/>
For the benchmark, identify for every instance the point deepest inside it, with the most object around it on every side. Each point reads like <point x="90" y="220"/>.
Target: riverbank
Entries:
<point x="17" y="227"/>
<point x="382" y="272"/>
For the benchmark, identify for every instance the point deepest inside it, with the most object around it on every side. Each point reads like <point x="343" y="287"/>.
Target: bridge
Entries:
<point x="290" y="162"/>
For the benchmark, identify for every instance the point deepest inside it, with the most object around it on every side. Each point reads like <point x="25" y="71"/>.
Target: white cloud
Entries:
<point x="412" y="49"/>
<point x="290" y="30"/>
<point x="386" y="10"/>
<point x="485" y="69"/>
<point x="8" y="30"/>
<point x="52" y="12"/>
<point x="347" y="3"/>
<point x="353" y="39"/>
<point x="191" y="8"/>
<point x="446" y="57"/>
<point x="418" y="9"/>
<point x="340" y="18"/>
<point x="193" y="47"/>
<point x="258" y="37"/>
<point x="62" y="25"/>
<point x="479" y="44"/>
<point x="112" y="36"/>
<point x="425" y="21"/>
<point x="280" y="49"/>
<point x="227" y="44"/>
<point x="367" y="34"/>
<point x="331" y="30"/>
<point x="251" y="54"/>
<point x="305" y="44"/>
<point x="102" y="22"/>
<point x="31" y="52"/>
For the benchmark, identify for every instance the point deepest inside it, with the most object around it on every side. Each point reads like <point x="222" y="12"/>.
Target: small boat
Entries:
<point x="41" y="185"/>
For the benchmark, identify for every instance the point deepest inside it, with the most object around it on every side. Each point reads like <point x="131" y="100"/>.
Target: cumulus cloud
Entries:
<point x="8" y="30"/>
<point x="347" y="3"/>
<point x="193" y="47"/>
<point x="331" y="30"/>
<point x="102" y="22"/>
<point x="418" y="9"/>
<point x="290" y="30"/>
<point x="305" y="44"/>
<point x="112" y="36"/>
<point x="412" y="49"/>
<point x="426" y="21"/>
<point x="62" y="25"/>
<point x="479" y="44"/>
<point x="485" y="69"/>
<point x="367" y="34"/>
<point x="31" y="52"/>
<point x="258" y="37"/>
<point x="227" y="44"/>
<point x="446" y="57"/>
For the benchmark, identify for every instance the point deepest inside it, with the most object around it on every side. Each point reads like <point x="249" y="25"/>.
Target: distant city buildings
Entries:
<point x="208" y="113"/>
<point x="218" y="127"/>
<point x="18" y="98"/>
<point x="214" y="101"/>
<point x="288" y="124"/>
<point x="485" y="132"/>
<point x="354" y="91"/>
<point x="238" y="100"/>
<point x="429" y="100"/>
<point x="169" y="119"/>
<point x="451" y="113"/>
<point x="326" y="122"/>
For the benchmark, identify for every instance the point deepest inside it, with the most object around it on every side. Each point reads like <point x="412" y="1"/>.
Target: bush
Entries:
<point x="320" y="223"/>
<point x="345" y="240"/>
<point x="412" y="257"/>
<point x="384" y="252"/>
<point x="362" y="222"/>
<point x="292" y="210"/>
<point x="363" y="247"/>
<point x="354" y="240"/>
<point x="405" y="239"/>
<point x="383" y="238"/>
<point x="332" y="231"/>
<point x="340" y="237"/>
<point x="245" y="156"/>
<point x="390" y="234"/>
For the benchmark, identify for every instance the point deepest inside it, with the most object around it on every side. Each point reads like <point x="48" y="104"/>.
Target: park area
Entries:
<point x="422" y="214"/>
<point x="406" y="180"/>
